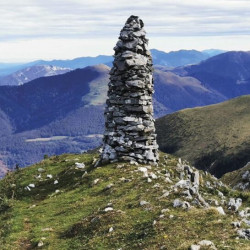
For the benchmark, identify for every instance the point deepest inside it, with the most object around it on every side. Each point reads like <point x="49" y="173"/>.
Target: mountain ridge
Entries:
<point x="227" y="73"/>
<point x="81" y="62"/>
<point x="30" y="73"/>
<point x="214" y="138"/>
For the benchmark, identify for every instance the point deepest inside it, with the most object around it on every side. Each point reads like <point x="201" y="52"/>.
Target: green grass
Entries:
<point x="215" y="138"/>
<point x="74" y="218"/>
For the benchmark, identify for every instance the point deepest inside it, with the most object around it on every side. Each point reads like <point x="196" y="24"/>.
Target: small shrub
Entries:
<point x="9" y="186"/>
<point x="4" y="204"/>
<point x="45" y="157"/>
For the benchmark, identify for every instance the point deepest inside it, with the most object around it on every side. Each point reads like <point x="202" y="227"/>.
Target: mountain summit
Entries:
<point x="214" y="138"/>
<point x="64" y="202"/>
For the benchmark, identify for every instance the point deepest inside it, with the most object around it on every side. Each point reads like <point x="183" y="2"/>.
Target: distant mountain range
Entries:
<point x="28" y="74"/>
<point x="215" y="138"/>
<point x="81" y="62"/>
<point x="213" y="52"/>
<point x="170" y="59"/>
<point x="181" y="57"/>
<point x="227" y="73"/>
<point x="64" y="113"/>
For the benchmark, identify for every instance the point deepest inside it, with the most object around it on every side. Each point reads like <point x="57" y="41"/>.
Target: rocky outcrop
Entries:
<point x="129" y="128"/>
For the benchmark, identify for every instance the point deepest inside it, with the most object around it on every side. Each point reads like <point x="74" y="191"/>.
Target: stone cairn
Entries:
<point x="129" y="127"/>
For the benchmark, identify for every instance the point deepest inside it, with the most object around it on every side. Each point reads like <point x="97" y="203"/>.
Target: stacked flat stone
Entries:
<point x="129" y="127"/>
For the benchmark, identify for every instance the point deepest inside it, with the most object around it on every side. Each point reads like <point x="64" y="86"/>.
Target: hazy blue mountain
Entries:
<point x="227" y="73"/>
<point x="176" y="92"/>
<point x="45" y="99"/>
<point x="30" y="73"/>
<point x="66" y="111"/>
<point x="170" y="59"/>
<point x="213" y="52"/>
<point x="9" y="68"/>
<point x="177" y="58"/>
<point x="81" y="62"/>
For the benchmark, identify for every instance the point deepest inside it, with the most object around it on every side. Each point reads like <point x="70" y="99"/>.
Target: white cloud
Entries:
<point x="28" y="23"/>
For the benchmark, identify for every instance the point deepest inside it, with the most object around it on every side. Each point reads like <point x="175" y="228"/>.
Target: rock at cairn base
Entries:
<point x="129" y="126"/>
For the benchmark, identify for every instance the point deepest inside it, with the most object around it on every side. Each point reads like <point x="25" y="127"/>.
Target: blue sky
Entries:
<point x="48" y="29"/>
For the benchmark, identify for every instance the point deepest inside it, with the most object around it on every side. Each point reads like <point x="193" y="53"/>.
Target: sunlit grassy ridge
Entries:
<point x="214" y="138"/>
<point x="74" y="218"/>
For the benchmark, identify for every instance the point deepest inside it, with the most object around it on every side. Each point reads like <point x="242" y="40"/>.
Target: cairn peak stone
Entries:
<point x="129" y="125"/>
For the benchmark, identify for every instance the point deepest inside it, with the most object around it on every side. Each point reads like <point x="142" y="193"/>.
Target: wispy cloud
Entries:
<point x="102" y="19"/>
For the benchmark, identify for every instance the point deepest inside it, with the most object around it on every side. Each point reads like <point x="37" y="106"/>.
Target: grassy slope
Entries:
<point x="66" y="220"/>
<point x="235" y="177"/>
<point x="216" y="137"/>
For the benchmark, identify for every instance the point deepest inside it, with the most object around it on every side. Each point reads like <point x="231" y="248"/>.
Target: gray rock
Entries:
<point x="234" y="204"/>
<point x="188" y="169"/>
<point x="246" y="175"/>
<point x="40" y="244"/>
<point x="165" y="210"/>
<point x="108" y="209"/>
<point x="221" y="195"/>
<point x="208" y="184"/>
<point x="167" y="180"/>
<point x="80" y="165"/>
<point x="153" y="176"/>
<point x="242" y="213"/>
<point x="244" y="233"/>
<point x="247" y="222"/>
<point x="220" y="210"/>
<point x="213" y="202"/>
<point x="96" y="181"/>
<point x="186" y="205"/>
<point x="196" y="178"/>
<point x="202" y="200"/>
<point x="143" y="203"/>
<point x="177" y="203"/>
<point x="193" y="190"/>
<point x="144" y="170"/>
<point x="195" y="247"/>
<point x="109" y="186"/>
<point x="242" y="186"/>
<point x="165" y="194"/>
<point x="207" y="243"/>
<point x="184" y="184"/>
